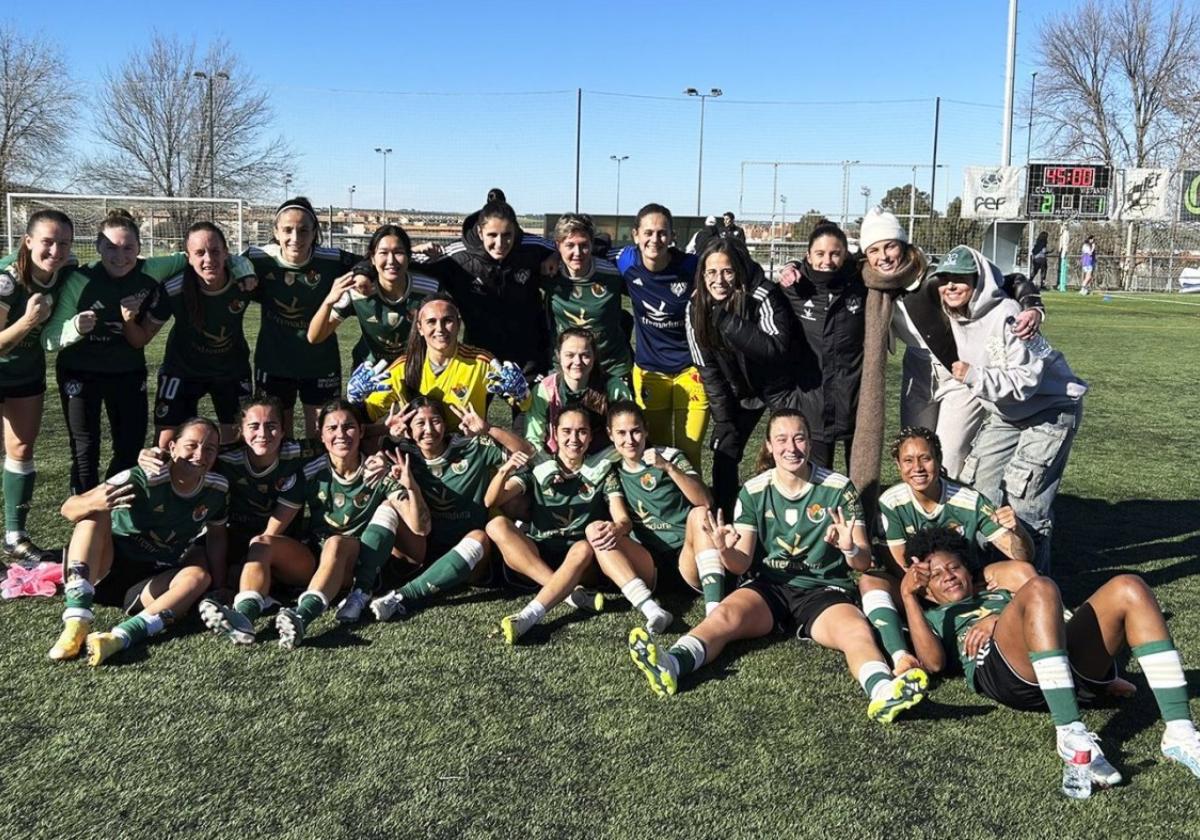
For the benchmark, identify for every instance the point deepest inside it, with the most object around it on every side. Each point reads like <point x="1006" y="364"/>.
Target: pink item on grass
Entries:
<point x="42" y="579"/>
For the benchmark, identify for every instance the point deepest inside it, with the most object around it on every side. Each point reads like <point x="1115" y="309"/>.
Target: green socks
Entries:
<point x="249" y="603"/>
<point x="1053" y="673"/>
<point x="139" y="628"/>
<point x="712" y="578"/>
<point x="310" y="606"/>
<point x="688" y="653"/>
<point x="1164" y="672"/>
<point x="885" y="618"/>
<point x="448" y="572"/>
<point x="374" y="549"/>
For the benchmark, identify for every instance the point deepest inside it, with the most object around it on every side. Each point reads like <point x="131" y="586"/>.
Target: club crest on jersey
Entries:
<point x="459" y="467"/>
<point x="678" y="288"/>
<point x="312" y="277"/>
<point x="956" y="527"/>
<point x="339" y="500"/>
<point x="73" y="388"/>
<point x="393" y="319"/>
<point x="460" y="392"/>
<point x="162" y="410"/>
<point x="522" y="276"/>
<point x="237" y="305"/>
<point x="599" y="290"/>
<point x="199" y="513"/>
<point x="648" y="481"/>
<point x="576" y="293"/>
<point x="814" y="513"/>
<point x="360" y="501"/>
<point x="853" y="304"/>
<point x="285" y="483"/>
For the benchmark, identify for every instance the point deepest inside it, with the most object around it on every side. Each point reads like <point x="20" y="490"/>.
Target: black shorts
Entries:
<point x="553" y="552"/>
<point x="20" y="390"/>
<point x="123" y="585"/>
<point x="178" y="398"/>
<point x="996" y="679"/>
<point x="313" y="391"/>
<point x="795" y="610"/>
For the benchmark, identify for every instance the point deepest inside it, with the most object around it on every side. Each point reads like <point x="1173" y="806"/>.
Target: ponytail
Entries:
<point x="23" y="265"/>
<point x="414" y="352"/>
<point x="192" y="301"/>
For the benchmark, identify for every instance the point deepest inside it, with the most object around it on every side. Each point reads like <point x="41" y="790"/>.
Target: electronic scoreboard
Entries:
<point x="1068" y="190"/>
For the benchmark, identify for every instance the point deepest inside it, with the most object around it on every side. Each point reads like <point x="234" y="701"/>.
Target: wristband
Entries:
<point x="852" y="553"/>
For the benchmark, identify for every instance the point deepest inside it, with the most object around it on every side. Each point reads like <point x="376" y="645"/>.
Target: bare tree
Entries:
<point x="37" y="103"/>
<point x="153" y="119"/>
<point x="1118" y="82"/>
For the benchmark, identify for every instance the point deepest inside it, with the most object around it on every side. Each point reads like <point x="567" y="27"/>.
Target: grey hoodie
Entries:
<point x="1013" y="383"/>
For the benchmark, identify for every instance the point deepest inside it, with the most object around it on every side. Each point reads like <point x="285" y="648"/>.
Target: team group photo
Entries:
<point x="543" y="515"/>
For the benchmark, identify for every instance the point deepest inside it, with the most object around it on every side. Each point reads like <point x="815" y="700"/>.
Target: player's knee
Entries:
<point x="1132" y="588"/>
<point x="195" y="578"/>
<point x="1042" y="589"/>
<point x="498" y="528"/>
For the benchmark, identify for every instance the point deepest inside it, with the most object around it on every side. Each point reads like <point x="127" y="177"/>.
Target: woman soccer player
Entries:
<point x="586" y="294"/>
<point x="206" y="349"/>
<point x="454" y="473"/>
<point x="797" y="533"/>
<point x="385" y="315"/>
<point x="97" y="366"/>
<point x="1087" y="261"/>
<point x="577" y="381"/>
<point x="666" y="501"/>
<point x="923" y="499"/>
<point x="436" y="364"/>
<point x="660" y="281"/>
<point x="567" y="494"/>
<point x="28" y="290"/>
<point x="353" y="521"/>
<point x="132" y="545"/>
<point x="739" y="331"/>
<point x="1017" y="649"/>
<point x="1034" y="401"/>
<point x="295" y="274"/>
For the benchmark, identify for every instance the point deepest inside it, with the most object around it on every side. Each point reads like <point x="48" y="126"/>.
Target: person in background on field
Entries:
<point x="295" y="274"/>
<point x="132" y="545"/>
<point x="1034" y="401"/>
<point x="1016" y="648"/>
<point x="739" y="332"/>
<point x="1087" y="261"/>
<point x="729" y="230"/>
<point x="28" y="293"/>
<point x="1039" y="257"/>
<point x="702" y="237"/>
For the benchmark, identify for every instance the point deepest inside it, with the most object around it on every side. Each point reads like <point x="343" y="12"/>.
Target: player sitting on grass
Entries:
<point x="568" y="501"/>
<point x="132" y="545"/>
<point x="1016" y="649"/>
<point x="797" y="533"/>
<point x="667" y="502"/>
<point x="453" y="472"/>
<point x="926" y="498"/>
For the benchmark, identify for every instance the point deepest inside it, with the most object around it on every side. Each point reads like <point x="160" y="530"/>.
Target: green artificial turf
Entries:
<point x="429" y="728"/>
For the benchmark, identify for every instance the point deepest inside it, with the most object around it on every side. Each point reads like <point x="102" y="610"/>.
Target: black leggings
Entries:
<point x="1038" y="268"/>
<point x="820" y="452"/>
<point x="123" y="396"/>
<point x="725" y="481"/>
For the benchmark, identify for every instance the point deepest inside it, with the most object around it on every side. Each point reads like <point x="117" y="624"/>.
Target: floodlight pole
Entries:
<point x="714" y="92"/>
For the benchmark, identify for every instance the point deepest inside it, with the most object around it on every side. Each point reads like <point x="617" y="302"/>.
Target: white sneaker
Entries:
<point x="388" y="605"/>
<point x="659" y="622"/>
<point x="352" y="606"/>
<point x="1103" y="773"/>
<point x="1185" y="751"/>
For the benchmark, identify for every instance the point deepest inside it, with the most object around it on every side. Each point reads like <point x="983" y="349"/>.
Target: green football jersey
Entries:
<point x="563" y="502"/>
<point x="290" y="296"/>
<point x="160" y="524"/>
<point x="950" y="623"/>
<point x="90" y="288"/>
<point x="343" y="506"/>
<point x="26" y="362"/>
<point x="657" y="506"/>
<point x="385" y="323"/>
<point x="593" y="303"/>
<point x="961" y="509"/>
<point x="551" y="395"/>
<point x="254" y="495"/>
<point x="454" y="483"/>
<point x="790" y="547"/>
<point x="215" y="348"/>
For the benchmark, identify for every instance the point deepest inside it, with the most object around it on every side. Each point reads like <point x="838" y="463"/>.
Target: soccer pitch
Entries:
<point x="429" y="728"/>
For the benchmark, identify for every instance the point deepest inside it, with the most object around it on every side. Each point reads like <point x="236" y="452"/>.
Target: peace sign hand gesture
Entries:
<point x="840" y="533"/>
<point x="400" y="471"/>
<point x="469" y="422"/>
<point x="397" y="423"/>
<point x="724" y="536"/>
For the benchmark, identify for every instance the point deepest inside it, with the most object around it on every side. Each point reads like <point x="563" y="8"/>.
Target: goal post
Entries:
<point x="163" y="221"/>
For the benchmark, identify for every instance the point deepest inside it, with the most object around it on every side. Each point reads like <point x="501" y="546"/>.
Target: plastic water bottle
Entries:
<point x="1077" y="778"/>
<point x="1037" y="346"/>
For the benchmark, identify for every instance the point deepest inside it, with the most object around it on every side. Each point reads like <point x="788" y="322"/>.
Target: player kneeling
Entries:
<point x="1017" y="649"/>
<point x="132" y="545"/>
<point x="797" y="533"/>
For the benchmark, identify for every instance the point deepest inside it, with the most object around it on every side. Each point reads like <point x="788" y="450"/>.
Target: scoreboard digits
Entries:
<point x="1068" y="190"/>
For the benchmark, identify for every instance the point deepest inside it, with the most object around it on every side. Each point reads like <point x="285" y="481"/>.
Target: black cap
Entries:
<point x="495" y="194"/>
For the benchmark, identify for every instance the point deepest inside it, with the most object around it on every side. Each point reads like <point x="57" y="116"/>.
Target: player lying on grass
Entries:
<point x="796" y="535"/>
<point x="1017" y="649"/>
<point x="667" y="503"/>
<point x="132" y="545"/>
<point x="352" y="524"/>
<point x="926" y="498"/>
<point x="572" y="523"/>
<point x="453" y="473"/>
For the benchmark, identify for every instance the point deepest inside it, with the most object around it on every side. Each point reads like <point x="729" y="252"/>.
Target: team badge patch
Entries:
<point x="459" y="467"/>
<point x="237" y="305"/>
<point x="339" y="500"/>
<point x="647" y="481"/>
<point x="199" y="513"/>
<point x="598" y="290"/>
<point x="678" y="289"/>
<point x="312" y="277"/>
<point x="285" y="483"/>
<point x="73" y="388"/>
<point x="460" y="392"/>
<point x="576" y="293"/>
<point x="814" y="512"/>
<point x="162" y="410"/>
<point x="360" y="501"/>
<point x="791" y="517"/>
<point x="393" y="319"/>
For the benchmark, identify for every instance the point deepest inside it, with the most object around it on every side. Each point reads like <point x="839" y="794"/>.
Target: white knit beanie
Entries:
<point x="880" y="225"/>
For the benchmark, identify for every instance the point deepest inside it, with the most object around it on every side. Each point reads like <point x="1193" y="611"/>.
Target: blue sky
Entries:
<point x="472" y="95"/>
